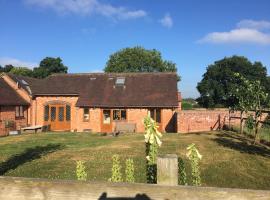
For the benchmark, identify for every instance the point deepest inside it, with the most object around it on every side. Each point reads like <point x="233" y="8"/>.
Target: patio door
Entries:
<point x="58" y="117"/>
<point x="106" y="121"/>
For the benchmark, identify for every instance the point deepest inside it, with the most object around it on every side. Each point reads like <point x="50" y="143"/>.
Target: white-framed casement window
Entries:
<point x="19" y="112"/>
<point x="86" y="114"/>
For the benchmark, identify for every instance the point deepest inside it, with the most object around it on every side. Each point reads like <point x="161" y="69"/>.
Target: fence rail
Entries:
<point x="12" y="188"/>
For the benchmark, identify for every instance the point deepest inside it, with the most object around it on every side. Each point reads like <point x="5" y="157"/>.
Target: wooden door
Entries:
<point x="59" y="117"/>
<point x="106" y="121"/>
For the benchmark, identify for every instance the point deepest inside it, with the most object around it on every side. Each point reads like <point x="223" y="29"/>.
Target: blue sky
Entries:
<point x="191" y="33"/>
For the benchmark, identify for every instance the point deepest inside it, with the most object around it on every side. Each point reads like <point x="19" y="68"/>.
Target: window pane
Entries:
<point x="53" y="113"/>
<point x="106" y="116"/>
<point x="86" y="114"/>
<point x="116" y="115"/>
<point x="61" y="114"/>
<point x="17" y="111"/>
<point x="46" y="113"/>
<point x="158" y="116"/>
<point x="123" y="114"/>
<point x="21" y="111"/>
<point x="68" y="114"/>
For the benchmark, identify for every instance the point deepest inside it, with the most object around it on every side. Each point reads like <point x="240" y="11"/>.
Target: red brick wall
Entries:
<point x="203" y="120"/>
<point x="8" y="113"/>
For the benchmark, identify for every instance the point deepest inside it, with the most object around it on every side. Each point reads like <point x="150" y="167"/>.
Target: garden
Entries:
<point x="228" y="159"/>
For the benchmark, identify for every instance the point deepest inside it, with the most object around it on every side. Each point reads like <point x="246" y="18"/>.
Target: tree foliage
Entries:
<point x="23" y="71"/>
<point x="219" y="80"/>
<point x="49" y="66"/>
<point x="6" y="68"/>
<point x="138" y="59"/>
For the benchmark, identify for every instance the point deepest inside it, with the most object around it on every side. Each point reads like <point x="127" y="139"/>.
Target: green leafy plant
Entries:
<point x="152" y="141"/>
<point x="182" y="176"/>
<point x="250" y="123"/>
<point x="130" y="171"/>
<point x="194" y="156"/>
<point x="80" y="171"/>
<point x="116" y="169"/>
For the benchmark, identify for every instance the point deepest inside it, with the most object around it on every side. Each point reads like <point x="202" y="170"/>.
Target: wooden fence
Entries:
<point x="40" y="189"/>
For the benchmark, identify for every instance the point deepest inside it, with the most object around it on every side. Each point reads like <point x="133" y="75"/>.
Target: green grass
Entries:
<point x="228" y="159"/>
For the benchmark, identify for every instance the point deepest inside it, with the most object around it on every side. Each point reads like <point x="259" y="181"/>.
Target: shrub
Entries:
<point x="80" y="171"/>
<point x="130" y="171"/>
<point x="182" y="176"/>
<point x="194" y="156"/>
<point x="116" y="169"/>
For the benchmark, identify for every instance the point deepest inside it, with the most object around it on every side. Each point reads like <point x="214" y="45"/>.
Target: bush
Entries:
<point x="194" y="156"/>
<point x="187" y="106"/>
<point x="80" y="171"/>
<point x="182" y="176"/>
<point x="130" y="171"/>
<point x="250" y="123"/>
<point x="116" y="169"/>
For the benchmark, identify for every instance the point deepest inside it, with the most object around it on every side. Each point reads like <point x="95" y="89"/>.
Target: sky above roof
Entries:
<point x="191" y="33"/>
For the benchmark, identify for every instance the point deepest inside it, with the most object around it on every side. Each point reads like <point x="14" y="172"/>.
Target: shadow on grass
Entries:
<point x="241" y="144"/>
<point x="28" y="155"/>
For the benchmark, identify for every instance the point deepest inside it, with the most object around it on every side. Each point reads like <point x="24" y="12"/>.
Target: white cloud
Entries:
<point x="17" y="63"/>
<point x="252" y="24"/>
<point x="247" y="32"/>
<point x="167" y="21"/>
<point x="88" y="7"/>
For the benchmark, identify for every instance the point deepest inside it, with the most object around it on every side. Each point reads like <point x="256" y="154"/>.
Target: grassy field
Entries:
<point x="228" y="159"/>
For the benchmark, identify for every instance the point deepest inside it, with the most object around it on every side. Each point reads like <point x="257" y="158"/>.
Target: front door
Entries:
<point x="106" y="121"/>
<point x="59" y="117"/>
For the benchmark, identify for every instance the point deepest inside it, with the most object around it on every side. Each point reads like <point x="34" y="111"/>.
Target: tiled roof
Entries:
<point x="8" y="96"/>
<point x="100" y="89"/>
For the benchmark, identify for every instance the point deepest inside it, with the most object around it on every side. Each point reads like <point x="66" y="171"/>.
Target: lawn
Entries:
<point x="228" y="159"/>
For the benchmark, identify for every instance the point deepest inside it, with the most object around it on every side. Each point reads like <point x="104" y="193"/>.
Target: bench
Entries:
<point x="32" y="129"/>
<point x="125" y="127"/>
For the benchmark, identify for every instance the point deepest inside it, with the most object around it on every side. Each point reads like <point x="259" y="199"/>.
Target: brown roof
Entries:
<point x="8" y="96"/>
<point x="100" y="90"/>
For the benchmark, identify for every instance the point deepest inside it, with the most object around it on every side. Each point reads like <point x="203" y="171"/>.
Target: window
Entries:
<point x="19" y="111"/>
<point x="106" y="117"/>
<point x="46" y="113"/>
<point x="119" y="115"/>
<point x="86" y="115"/>
<point x="53" y="113"/>
<point x="156" y="115"/>
<point x="68" y="114"/>
<point x="61" y="114"/>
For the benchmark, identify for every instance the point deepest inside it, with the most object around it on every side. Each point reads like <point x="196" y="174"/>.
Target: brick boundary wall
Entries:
<point x="207" y="120"/>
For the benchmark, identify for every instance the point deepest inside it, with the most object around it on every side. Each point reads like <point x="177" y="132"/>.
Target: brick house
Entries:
<point x="13" y="109"/>
<point x="95" y="102"/>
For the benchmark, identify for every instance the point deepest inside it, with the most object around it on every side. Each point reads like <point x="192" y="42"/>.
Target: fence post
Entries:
<point x="167" y="170"/>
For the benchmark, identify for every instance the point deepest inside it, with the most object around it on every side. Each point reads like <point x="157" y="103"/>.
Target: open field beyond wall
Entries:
<point x="228" y="159"/>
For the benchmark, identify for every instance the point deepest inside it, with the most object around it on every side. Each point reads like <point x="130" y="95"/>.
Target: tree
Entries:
<point x="138" y="59"/>
<point x="242" y="97"/>
<point x="22" y="71"/>
<point x="259" y="99"/>
<point x="50" y="66"/>
<point x="6" y="69"/>
<point x="218" y="81"/>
